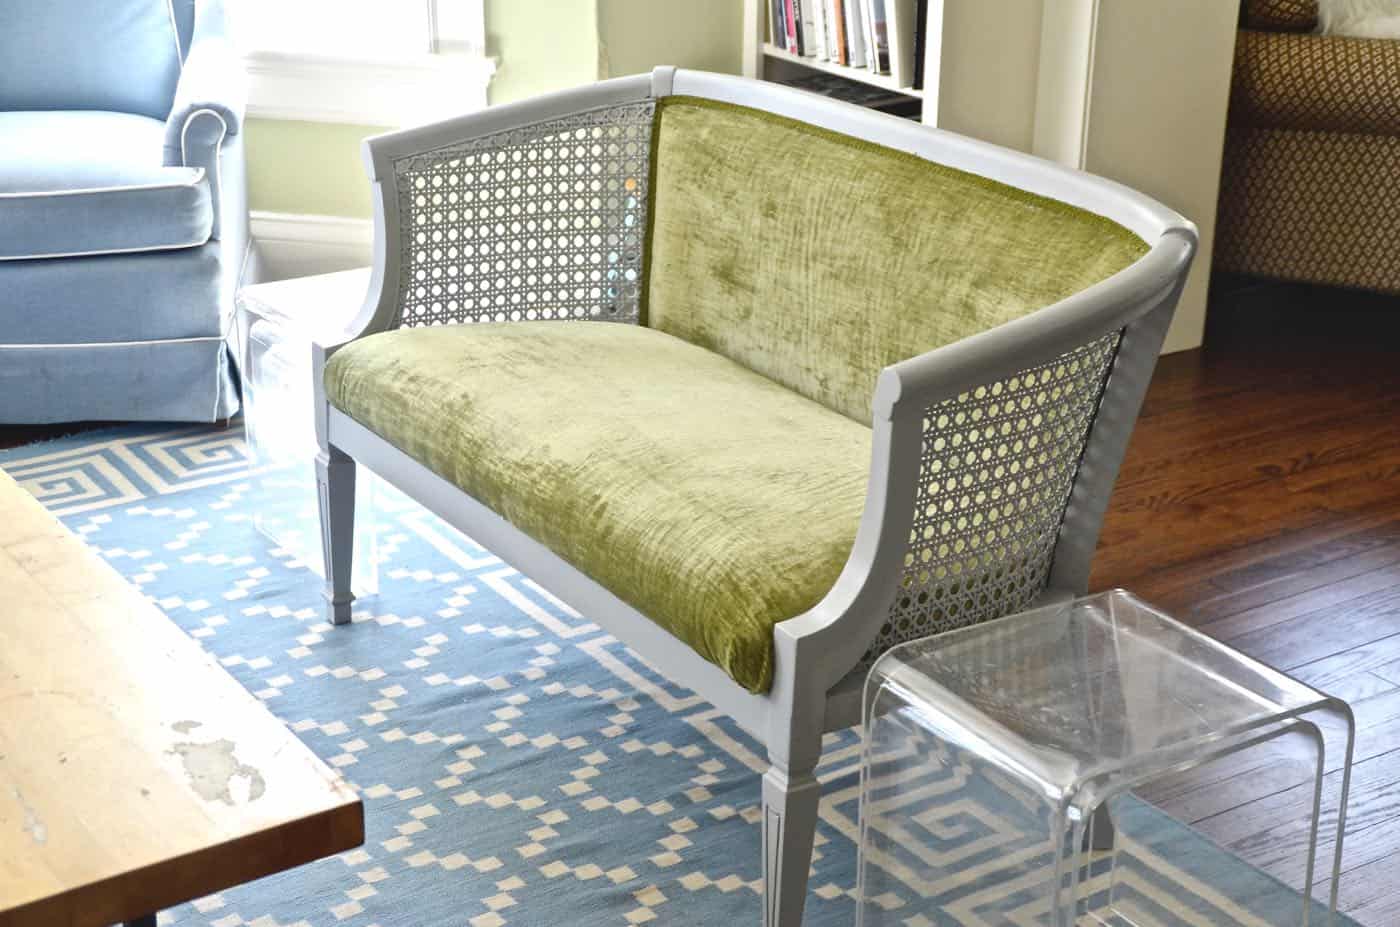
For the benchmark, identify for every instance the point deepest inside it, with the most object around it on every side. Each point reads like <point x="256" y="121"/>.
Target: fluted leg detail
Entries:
<point x="335" y="485"/>
<point x="790" y="800"/>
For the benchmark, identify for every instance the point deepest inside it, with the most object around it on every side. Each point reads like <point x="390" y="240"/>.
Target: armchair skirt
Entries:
<point x="123" y="213"/>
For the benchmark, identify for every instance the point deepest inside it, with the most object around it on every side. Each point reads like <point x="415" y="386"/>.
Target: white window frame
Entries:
<point x="450" y="77"/>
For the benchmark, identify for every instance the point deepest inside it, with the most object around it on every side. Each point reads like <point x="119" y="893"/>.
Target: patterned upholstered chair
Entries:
<point x="123" y="221"/>
<point x="1308" y="190"/>
<point x="760" y="382"/>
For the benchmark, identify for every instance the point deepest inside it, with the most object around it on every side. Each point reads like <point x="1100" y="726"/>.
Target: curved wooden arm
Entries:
<point x="1099" y="344"/>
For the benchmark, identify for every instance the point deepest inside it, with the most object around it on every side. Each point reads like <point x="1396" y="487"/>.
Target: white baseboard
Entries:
<point x="291" y="245"/>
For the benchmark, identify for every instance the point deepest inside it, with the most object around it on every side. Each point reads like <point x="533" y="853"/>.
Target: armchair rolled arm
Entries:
<point x="210" y="99"/>
<point x="1279" y="15"/>
<point x="1316" y="83"/>
<point x="534" y="210"/>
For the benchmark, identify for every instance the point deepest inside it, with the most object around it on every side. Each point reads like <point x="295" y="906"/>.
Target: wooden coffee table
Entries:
<point x="135" y="773"/>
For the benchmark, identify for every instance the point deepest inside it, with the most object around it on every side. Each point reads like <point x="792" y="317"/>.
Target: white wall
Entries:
<point x="1156" y="122"/>
<point x="987" y="68"/>
<point x="637" y="35"/>
<point x="1135" y="90"/>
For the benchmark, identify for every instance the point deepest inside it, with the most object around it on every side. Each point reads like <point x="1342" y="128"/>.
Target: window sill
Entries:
<point x="391" y="92"/>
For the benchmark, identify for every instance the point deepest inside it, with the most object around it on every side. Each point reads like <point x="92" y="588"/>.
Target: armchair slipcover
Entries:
<point x="1307" y="189"/>
<point x="123" y="216"/>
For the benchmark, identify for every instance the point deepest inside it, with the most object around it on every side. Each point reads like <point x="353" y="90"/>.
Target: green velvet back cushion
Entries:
<point x="817" y="259"/>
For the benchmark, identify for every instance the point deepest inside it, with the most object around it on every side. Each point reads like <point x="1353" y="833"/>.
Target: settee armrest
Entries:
<point x="993" y="462"/>
<point x="210" y="99"/>
<point x="1316" y="83"/>
<point x="527" y="211"/>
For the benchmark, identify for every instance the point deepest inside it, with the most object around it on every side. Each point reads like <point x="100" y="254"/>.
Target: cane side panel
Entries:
<point x="997" y="467"/>
<point x="539" y="222"/>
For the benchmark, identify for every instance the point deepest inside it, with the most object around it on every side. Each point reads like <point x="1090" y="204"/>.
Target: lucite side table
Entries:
<point x="276" y="325"/>
<point x="1002" y="765"/>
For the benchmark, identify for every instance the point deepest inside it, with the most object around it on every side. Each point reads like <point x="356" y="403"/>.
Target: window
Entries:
<point x="336" y="28"/>
<point x="372" y="62"/>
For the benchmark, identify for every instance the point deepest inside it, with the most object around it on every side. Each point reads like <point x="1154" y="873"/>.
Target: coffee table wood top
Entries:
<point x="135" y="773"/>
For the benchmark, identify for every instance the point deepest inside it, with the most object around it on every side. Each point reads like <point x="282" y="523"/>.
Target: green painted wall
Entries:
<point x="637" y="35"/>
<point x="315" y="167"/>
<point x="542" y="45"/>
<point x="312" y="168"/>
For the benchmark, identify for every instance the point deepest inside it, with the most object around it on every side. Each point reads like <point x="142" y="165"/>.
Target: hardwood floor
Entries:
<point x="1260" y="501"/>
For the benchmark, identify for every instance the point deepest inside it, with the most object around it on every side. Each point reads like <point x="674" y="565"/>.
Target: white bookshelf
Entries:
<point x="860" y="75"/>
<point x="768" y="61"/>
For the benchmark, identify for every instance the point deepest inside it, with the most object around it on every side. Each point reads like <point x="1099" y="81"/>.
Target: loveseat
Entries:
<point x="123" y="217"/>
<point x="1308" y="187"/>
<point x="760" y="382"/>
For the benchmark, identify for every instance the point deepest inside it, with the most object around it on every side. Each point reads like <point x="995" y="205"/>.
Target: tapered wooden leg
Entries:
<point x="790" y="799"/>
<point x="335" y="485"/>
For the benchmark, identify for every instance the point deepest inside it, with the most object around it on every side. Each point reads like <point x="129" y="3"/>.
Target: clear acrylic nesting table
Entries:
<point x="1004" y="766"/>
<point x="276" y="324"/>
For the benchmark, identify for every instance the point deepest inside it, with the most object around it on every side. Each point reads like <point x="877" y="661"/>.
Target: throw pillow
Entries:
<point x="1281" y="15"/>
<point x="1371" y="19"/>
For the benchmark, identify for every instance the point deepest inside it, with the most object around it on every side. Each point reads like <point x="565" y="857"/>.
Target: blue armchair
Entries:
<point x="123" y="212"/>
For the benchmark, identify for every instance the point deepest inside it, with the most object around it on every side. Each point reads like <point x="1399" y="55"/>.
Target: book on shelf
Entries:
<point x="899" y="30"/>
<point x="879" y="37"/>
<point x="807" y="27"/>
<point x="837" y="23"/>
<point x="855" y="33"/>
<point x="885" y="37"/>
<point x="817" y="14"/>
<point x="800" y="27"/>
<point x="867" y="35"/>
<point x="920" y="42"/>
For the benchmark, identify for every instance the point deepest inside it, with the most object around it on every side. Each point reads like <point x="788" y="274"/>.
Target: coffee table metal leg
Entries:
<point x="148" y="921"/>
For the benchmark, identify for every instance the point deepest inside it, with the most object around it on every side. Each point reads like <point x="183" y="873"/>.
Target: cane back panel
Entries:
<point x="544" y="221"/>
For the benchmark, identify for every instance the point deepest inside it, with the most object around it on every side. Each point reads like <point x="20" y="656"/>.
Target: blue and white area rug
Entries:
<point x="518" y="766"/>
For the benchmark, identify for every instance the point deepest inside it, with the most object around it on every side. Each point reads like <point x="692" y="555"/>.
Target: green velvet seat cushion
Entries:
<point x="711" y="499"/>
<point x="817" y="259"/>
